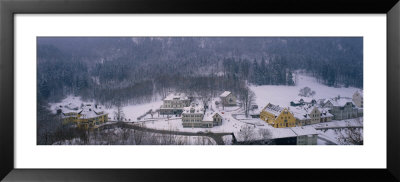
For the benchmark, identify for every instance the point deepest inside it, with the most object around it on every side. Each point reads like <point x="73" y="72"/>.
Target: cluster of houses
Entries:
<point x="306" y="111"/>
<point x="193" y="114"/>
<point x="84" y="116"/>
<point x="290" y="123"/>
<point x="302" y="111"/>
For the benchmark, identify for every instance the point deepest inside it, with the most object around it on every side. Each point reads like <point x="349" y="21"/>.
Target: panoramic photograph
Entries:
<point x="199" y="91"/>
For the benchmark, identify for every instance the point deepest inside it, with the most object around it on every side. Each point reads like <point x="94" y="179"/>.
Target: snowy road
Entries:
<point x="216" y="136"/>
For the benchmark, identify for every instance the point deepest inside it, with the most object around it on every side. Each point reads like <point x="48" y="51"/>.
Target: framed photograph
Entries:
<point x="149" y="90"/>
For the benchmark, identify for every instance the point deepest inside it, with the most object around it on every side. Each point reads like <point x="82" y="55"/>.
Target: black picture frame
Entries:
<point x="9" y="8"/>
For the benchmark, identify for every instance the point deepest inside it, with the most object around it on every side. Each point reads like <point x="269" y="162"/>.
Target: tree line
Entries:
<point x="135" y="70"/>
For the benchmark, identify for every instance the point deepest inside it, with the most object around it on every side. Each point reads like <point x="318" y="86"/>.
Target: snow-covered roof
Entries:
<point x="68" y="108"/>
<point x="72" y="106"/>
<point x="340" y="102"/>
<point x="304" y="130"/>
<point x="281" y="133"/>
<point x="273" y="109"/>
<point x="209" y="116"/>
<point x="255" y="111"/>
<point x="326" y="115"/>
<point x="302" y="112"/>
<point x="226" y="93"/>
<point x="325" y="112"/>
<point x="178" y="96"/>
<point x="89" y="112"/>
<point x="275" y="133"/>
<point x="198" y="108"/>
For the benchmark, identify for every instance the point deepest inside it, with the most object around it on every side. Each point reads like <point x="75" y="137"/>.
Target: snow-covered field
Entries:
<point x="282" y="95"/>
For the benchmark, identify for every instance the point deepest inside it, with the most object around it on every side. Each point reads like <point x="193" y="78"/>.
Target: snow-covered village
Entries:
<point x="301" y="109"/>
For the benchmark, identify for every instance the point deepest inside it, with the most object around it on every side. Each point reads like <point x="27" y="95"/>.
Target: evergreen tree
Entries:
<point x="290" y="79"/>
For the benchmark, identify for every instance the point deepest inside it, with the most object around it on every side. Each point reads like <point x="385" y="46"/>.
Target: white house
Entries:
<point x="174" y="104"/>
<point x="228" y="99"/>
<point x="196" y="117"/>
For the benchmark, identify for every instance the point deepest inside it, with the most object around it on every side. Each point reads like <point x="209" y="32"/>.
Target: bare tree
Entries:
<point x="119" y="113"/>
<point x="247" y="134"/>
<point x="125" y="134"/>
<point x="306" y="92"/>
<point x="266" y="135"/>
<point x="351" y="135"/>
<point x="139" y="135"/>
<point x="247" y="97"/>
<point x="168" y="138"/>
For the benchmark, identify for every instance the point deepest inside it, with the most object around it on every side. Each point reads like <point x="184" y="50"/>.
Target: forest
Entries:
<point x="130" y="70"/>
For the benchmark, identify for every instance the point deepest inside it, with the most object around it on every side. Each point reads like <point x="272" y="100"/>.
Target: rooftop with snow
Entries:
<point x="176" y="96"/>
<point x="226" y="93"/>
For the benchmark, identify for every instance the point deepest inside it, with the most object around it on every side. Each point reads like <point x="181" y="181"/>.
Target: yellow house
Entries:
<point x="88" y="117"/>
<point x="278" y="117"/>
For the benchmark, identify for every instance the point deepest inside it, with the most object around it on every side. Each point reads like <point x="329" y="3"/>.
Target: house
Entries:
<point x="276" y="136"/>
<point x="341" y="108"/>
<point x="87" y="116"/>
<point x="302" y="101"/>
<point x="195" y="116"/>
<point x="228" y="99"/>
<point x="358" y="99"/>
<point x="305" y="135"/>
<point x="325" y="115"/>
<point x="214" y="117"/>
<point x="306" y="115"/>
<point x="68" y="112"/>
<point x="174" y="103"/>
<point x="278" y="117"/>
<point x="91" y="117"/>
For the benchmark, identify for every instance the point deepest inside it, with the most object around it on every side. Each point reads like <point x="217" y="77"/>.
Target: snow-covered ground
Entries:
<point x="134" y="111"/>
<point x="229" y="125"/>
<point x="282" y="95"/>
<point x="131" y="112"/>
<point x="233" y="117"/>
